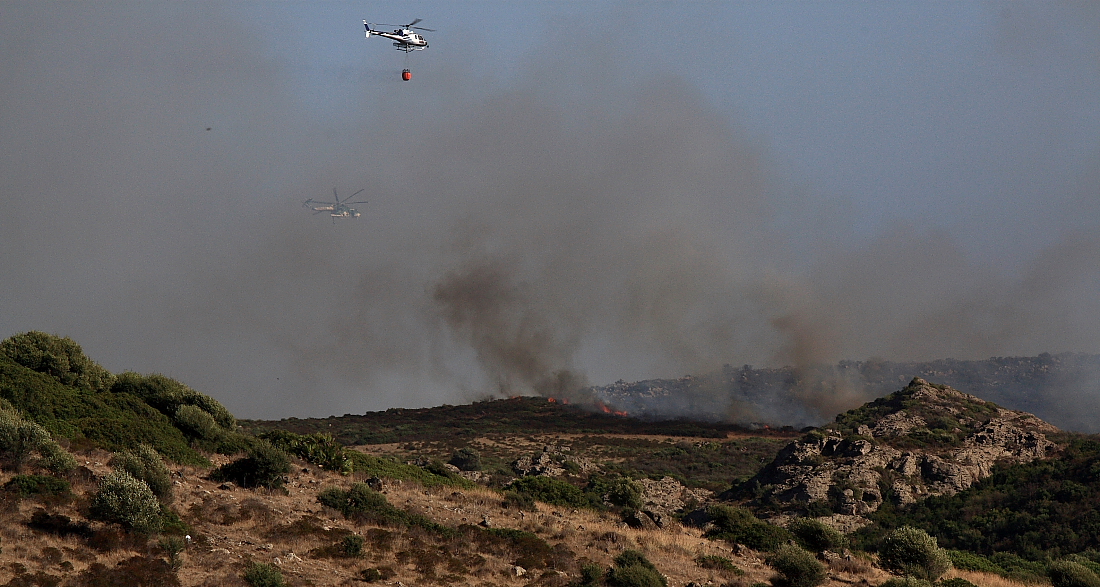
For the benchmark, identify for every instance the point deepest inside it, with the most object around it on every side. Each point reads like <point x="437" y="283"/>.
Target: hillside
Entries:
<point x="920" y="441"/>
<point x="1062" y="389"/>
<point x="523" y="491"/>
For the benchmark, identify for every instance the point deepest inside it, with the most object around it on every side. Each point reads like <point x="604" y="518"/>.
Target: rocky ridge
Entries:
<point x="923" y="440"/>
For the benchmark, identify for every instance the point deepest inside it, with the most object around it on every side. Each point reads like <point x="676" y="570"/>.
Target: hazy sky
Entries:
<point x="564" y="192"/>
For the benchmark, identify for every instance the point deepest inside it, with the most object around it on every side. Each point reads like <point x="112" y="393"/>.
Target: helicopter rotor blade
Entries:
<point x="420" y="28"/>
<point x="363" y="202"/>
<point x="337" y="198"/>
<point x="357" y="193"/>
<point x="413" y="22"/>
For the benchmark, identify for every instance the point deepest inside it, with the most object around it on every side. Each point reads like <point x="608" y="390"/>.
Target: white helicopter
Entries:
<point x="403" y="37"/>
<point x="336" y="209"/>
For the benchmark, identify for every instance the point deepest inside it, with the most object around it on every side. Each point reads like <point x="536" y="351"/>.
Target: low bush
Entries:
<point x="27" y="485"/>
<point x="127" y="501"/>
<point x="352" y="546"/>
<point x="911" y="551"/>
<point x="519" y="501"/>
<point x="20" y="439"/>
<point x="466" y="459"/>
<point x="796" y="567"/>
<point x="389" y="468"/>
<point x="815" y="536"/>
<point x="375" y="574"/>
<point x="365" y="505"/>
<point x="196" y="423"/>
<point x="616" y="490"/>
<point x="718" y="563"/>
<point x="1064" y="573"/>
<point x="970" y="561"/>
<point x="265" y="466"/>
<point x="263" y="575"/>
<point x="320" y="449"/>
<point x="59" y="357"/>
<point x="738" y="525"/>
<point x="633" y="569"/>
<point x="906" y="581"/>
<point x="145" y="464"/>
<point x="552" y="491"/>
<point x="955" y="582"/>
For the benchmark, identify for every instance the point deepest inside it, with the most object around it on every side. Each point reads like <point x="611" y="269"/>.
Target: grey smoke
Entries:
<point x="595" y="218"/>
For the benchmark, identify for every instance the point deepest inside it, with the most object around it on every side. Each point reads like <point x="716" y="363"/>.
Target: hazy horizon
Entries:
<point x="562" y="194"/>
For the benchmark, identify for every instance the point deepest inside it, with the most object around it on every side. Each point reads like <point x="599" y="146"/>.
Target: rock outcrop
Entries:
<point x="923" y="440"/>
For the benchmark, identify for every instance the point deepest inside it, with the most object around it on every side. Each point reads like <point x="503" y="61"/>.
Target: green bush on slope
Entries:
<point x="20" y="438"/>
<point x="59" y="357"/>
<point x="127" y="501"/>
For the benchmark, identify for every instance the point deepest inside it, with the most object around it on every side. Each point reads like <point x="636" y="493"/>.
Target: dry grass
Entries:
<point x="230" y="527"/>
<point x="985" y="579"/>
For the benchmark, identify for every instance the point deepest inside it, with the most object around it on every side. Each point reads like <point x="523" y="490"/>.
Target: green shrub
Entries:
<point x="591" y="575"/>
<point x="127" y="501"/>
<point x="20" y="438"/>
<point x="352" y="546"/>
<point x="953" y="582"/>
<point x="466" y="459"/>
<point x="59" y="357"/>
<point x="173" y="547"/>
<point x="970" y="561"/>
<point x="796" y="567"/>
<point x="1086" y="559"/>
<point x="617" y="490"/>
<point x="167" y="395"/>
<point x="195" y="422"/>
<point x="718" y="563"/>
<point x="28" y="485"/>
<point x="815" y="536"/>
<point x="1018" y="568"/>
<point x="738" y="525"/>
<point x="1066" y="573"/>
<point x="144" y="463"/>
<point x="911" y="551"/>
<point x="365" y="505"/>
<point x="374" y="574"/>
<point x="265" y="466"/>
<point x="320" y="449"/>
<point x="263" y="575"/>
<point x="389" y="468"/>
<point x="552" y="491"/>
<point x="633" y="569"/>
<point x="519" y="501"/>
<point x="906" y="581"/>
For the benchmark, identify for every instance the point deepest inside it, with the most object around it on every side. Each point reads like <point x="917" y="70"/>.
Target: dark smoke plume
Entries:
<point x="593" y="218"/>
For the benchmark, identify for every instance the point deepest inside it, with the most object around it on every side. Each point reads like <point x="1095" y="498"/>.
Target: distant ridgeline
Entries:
<point x="49" y="381"/>
<point x="1063" y="389"/>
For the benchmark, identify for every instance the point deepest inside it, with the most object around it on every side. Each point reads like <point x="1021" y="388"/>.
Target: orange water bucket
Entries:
<point x="406" y="75"/>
